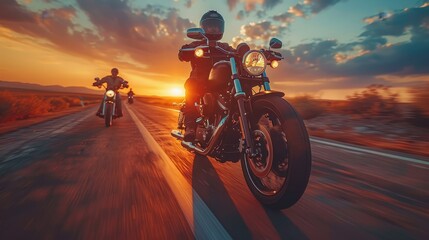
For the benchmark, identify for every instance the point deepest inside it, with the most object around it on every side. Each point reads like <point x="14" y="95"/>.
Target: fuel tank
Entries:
<point x="219" y="76"/>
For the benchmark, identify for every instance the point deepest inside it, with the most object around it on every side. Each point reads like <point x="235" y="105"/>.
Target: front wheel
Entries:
<point x="278" y="175"/>
<point x="108" y="116"/>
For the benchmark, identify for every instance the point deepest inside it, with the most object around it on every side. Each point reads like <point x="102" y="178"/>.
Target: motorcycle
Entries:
<point x="109" y="102"/>
<point x="242" y="119"/>
<point x="130" y="99"/>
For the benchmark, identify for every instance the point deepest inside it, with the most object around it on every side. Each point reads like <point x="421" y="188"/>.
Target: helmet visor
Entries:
<point x="213" y="26"/>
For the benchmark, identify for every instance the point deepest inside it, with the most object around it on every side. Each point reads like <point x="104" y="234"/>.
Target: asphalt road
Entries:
<point x="73" y="178"/>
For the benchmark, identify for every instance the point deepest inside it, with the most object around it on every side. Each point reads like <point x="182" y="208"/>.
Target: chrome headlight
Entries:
<point x="110" y="93"/>
<point x="254" y="62"/>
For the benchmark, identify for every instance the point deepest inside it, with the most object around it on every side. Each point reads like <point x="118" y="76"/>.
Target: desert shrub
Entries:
<point x="13" y="107"/>
<point x="375" y="100"/>
<point x="73" y="101"/>
<point x="57" y="104"/>
<point x="6" y="104"/>
<point x="419" y="112"/>
<point x="30" y="106"/>
<point x="307" y="106"/>
<point x="420" y="99"/>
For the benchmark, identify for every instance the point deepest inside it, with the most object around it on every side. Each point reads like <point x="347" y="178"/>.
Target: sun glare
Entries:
<point x="177" y="92"/>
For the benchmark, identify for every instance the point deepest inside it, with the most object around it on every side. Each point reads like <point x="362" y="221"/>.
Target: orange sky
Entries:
<point x="48" y="66"/>
<point x="70" y="42"/>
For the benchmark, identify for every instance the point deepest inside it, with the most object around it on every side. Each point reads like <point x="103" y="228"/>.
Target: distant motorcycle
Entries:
<point x="109" y="102"/>
<point x="130" y="99"/>
<point x="242" y="119"/>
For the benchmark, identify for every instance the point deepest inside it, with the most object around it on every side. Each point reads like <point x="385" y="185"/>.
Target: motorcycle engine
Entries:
<point x="204" y="134"/>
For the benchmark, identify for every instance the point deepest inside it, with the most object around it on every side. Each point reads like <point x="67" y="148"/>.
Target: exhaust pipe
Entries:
<point x="191" y="147"/>
<point x="177" y="134"/>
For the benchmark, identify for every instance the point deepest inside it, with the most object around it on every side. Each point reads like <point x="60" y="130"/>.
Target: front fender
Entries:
<point x="264" y="94"/>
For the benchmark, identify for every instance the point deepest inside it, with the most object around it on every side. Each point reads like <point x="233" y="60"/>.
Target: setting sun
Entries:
<point x="177" y="92"/>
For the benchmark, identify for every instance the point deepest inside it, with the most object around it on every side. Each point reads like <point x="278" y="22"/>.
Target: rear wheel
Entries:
<point x="278" y="175"/>
<point x="108" y="116"/>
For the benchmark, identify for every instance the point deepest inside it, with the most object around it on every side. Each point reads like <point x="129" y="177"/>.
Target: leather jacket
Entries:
<point x="201" y="66"/>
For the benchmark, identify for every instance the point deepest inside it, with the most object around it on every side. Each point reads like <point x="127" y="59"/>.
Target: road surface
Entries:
<point x="73" y="178"/>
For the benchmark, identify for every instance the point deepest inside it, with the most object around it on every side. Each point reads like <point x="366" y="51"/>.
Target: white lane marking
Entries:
<point x="356" y="149"/>
<point x="24" y="152"/>
<point x="201" y="220"/>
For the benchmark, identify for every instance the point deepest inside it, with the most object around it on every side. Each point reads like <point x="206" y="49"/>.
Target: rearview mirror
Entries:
<point x="195" y="33"/>
<point x="275" y="43"/>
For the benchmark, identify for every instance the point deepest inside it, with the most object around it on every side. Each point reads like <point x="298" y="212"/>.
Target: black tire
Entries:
<point x="108" y="116"/>
<point x="290" y="149"/>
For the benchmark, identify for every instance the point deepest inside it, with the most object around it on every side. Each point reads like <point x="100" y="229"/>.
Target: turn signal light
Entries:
<point x="199" y="52"/>
<point x="274" y="64"/>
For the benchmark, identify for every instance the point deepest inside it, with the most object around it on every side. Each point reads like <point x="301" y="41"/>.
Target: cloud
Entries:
<point x="297" y="10"/>
<point x="284" y="18"/>
<point x="11" y="11"/>
<point x="232" y="4"/>
<point x="263" y="30"/>
<point x="189" y="3"/>
<point x="250" y="5"/>
<point x="328" y="64"/>
<point x="317" y="6"/>
<point x="398" y="24"/>
<point x="241" y="14"/>
<point x="152" y="35"/>
<point x="308" y="7"/>
<point x="148" y="37"/>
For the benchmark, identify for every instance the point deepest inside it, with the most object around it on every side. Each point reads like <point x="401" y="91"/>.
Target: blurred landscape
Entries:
<point x="373" y="117"/>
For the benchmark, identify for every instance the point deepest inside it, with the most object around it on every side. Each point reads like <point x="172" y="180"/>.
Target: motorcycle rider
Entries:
<point x="213" y="24"/>
<point x="130" y="93"/>
<point x="130" y="96"/>
<point x="114" y="82"/>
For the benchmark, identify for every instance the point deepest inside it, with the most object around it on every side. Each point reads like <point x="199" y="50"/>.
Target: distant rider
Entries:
<point x="114" y="82"/>
<point x="213" y="24"/>
<point x="130" y="93"/>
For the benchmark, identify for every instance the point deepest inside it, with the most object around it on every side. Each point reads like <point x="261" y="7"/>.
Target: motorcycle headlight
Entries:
<point x="110" y="93"/>
<point x="254" y="62"/>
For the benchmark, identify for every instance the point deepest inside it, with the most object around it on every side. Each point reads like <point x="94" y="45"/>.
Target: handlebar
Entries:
<point x="99" y="85"/>
<point x="269" y="54"/>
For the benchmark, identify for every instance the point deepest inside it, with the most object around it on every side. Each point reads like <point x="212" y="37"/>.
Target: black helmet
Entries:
<point x="114" y="71"/>
<point x="213" y="24"/>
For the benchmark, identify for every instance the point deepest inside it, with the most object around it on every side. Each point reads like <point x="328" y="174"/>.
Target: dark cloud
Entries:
<point x="54" y="25"/>
<point x="284" y="18"/>
<point x="398" y="24"/>
<point x="11" y="11"/>
<point x="150" y="36"/>
<point x="308" y="7"/>
<point x="329" y="64"/>
<point x="232" y="4"/>
<point x="241" y="14"/>
<point x="317" y="6"/>
<point x="261" y="14"/>
<point x="271" y="3"/>
<point x="297" y="10"/>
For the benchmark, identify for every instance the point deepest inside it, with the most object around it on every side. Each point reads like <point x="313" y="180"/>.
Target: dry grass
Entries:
<point x="18" y="104"/>
<point x="307" y="106"/>
<point x="375" y="100"/>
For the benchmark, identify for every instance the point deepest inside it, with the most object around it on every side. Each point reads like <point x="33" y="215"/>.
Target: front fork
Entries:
<point x="113" y="107"/>
<point x="240" y="96"/>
